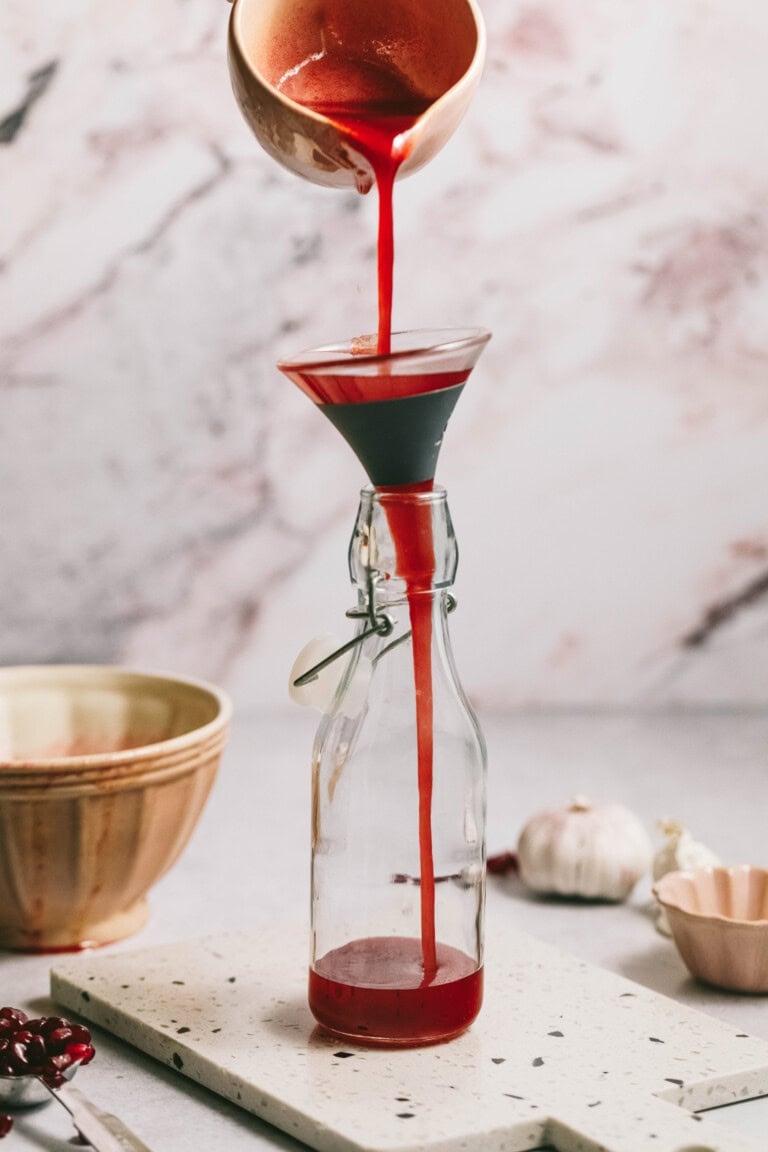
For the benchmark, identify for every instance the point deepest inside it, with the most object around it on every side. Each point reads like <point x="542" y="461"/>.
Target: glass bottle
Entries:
<point x="398" y="803"/>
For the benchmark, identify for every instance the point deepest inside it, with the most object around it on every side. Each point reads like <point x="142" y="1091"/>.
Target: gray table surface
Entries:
<point x="247" y="863"/>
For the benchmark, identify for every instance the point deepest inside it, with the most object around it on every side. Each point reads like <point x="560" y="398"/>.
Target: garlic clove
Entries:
<point x="680" y="853"/>
<point x="662" y="923"/>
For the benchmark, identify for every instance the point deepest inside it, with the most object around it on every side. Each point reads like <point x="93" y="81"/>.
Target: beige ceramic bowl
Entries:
<point x="719" y="921"/>
<point x="103" y="775"/>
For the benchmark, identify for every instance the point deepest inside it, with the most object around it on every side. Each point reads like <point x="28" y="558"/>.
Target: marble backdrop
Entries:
<point x="166" y="499"/>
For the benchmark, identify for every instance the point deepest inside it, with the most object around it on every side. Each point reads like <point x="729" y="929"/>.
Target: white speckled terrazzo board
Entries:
<point x="563" y="1054"/>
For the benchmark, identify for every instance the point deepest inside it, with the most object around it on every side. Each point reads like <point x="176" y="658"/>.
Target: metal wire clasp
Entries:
<point x="379" y="624"/>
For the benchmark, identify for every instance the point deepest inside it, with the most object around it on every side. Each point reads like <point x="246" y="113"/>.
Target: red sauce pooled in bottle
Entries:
<point x="374" y="990"/>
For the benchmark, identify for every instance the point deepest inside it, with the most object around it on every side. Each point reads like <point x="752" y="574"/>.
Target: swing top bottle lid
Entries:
<point x="391" y="409"/>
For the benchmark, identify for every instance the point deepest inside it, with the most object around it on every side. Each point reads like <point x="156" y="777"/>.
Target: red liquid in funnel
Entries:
<point x="329" y="388"/>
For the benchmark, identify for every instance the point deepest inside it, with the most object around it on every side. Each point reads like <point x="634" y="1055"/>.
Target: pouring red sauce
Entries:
<point x="408" y="990"/>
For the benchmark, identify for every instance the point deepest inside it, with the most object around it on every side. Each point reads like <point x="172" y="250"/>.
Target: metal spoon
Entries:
<point x="103" y="1131"/>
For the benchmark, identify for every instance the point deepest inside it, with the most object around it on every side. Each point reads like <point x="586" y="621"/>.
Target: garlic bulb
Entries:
<point x="680" y="852"/>
<point x="598" y="852"/>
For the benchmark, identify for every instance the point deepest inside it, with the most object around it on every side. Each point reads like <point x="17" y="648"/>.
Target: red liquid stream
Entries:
<point x="382" y="137"/>
<point x="376" y="111"/>
<point x="372" y="990"/>
<point x="410" y="523"/>
<point x="379" y="130"/>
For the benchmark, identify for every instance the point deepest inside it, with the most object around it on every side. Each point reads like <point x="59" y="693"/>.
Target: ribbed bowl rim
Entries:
<point x="709" y="917"/>
<point x="127" y="756"/>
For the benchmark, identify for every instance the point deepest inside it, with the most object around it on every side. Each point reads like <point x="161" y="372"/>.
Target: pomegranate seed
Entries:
<point x="78" y="1051"/>
<point x="14" y="1014"/>
<point x="6" y="1123"/>
<point x="53" y="1070"/>
<point x="52" y="1023"/>
<point x="57" y="1040"/>
<point x="36" y="1051"/>
<point x="46" y="1046"/>
<point x="17" y="1058"/>
<point x="80" y="1035"/>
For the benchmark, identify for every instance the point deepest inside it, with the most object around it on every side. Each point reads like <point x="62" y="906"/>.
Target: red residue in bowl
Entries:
<point x="87" y="746"/>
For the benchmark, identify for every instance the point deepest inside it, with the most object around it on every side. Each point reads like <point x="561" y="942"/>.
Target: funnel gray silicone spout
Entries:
<point x="392" y="410"/>
<point x="396" y="441"/>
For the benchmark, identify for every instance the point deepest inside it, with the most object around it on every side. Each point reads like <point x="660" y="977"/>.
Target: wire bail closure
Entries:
<point x="379" y="624"/>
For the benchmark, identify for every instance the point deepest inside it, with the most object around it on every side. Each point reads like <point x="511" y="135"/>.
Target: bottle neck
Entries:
<point x="403" y="544"/>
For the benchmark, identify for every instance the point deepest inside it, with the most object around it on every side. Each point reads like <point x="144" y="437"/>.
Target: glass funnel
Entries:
<point x="393" y="409"/>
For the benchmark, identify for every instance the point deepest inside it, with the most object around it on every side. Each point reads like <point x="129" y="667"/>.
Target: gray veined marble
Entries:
<point x="165" y="498"/>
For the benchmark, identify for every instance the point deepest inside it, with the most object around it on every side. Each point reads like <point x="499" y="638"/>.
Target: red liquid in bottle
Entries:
<point x="373" y="990"/>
